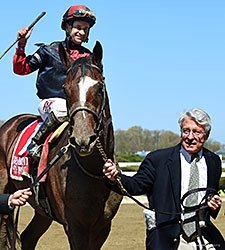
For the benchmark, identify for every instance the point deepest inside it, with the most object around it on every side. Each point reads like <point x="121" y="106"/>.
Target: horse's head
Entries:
<point x="87" y="100"/>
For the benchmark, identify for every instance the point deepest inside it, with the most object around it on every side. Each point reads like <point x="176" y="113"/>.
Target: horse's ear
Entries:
<point x="97" y="52"/>
<point x="64" y="56"/>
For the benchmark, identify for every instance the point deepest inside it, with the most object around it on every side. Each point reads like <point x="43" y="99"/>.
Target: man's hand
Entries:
<point x="24" y="35"/>
<point x="110" y="170"/>
<point x="214" y="202"/>
<point x="19" y="198"/>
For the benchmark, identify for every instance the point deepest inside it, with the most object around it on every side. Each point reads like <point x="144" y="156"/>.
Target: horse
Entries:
<point x="75" y="187"/>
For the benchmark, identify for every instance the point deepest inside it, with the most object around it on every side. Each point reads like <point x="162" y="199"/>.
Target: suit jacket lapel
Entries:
<point x="210" y="168"/>
<point x="174" y="167"/>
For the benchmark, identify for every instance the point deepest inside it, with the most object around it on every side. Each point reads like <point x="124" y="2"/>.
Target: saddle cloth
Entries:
<point x="20" y="162"/>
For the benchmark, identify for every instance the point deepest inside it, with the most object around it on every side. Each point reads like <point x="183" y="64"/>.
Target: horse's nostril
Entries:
<point x="93" y="138"/>
<point x="72" y="141"/>
<point x="82" y="142"/>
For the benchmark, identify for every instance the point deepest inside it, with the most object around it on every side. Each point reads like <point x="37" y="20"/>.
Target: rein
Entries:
<point x="61" y="152"/>
<point x="196" y="209"/>
<point x="201" y="206"/>
<point x="191" y="209"/>
<point x="118" y="179"/>
<point x="14" y="223"/>
<point x="64" y="149"/>
<point x="33" y="185"/>
<point x="98" y="177"/>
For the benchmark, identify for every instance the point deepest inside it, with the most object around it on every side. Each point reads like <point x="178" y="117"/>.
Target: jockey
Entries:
<point x="76" y="22"/>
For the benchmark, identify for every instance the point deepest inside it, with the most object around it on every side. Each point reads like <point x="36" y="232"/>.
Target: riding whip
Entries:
<point x="29" y="28"/>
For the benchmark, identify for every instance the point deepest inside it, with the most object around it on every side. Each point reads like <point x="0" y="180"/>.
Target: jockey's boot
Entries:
<point x="35" y="147"/>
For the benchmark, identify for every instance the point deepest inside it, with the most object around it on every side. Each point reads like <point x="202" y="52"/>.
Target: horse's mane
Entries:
<point x="88" y="60"/>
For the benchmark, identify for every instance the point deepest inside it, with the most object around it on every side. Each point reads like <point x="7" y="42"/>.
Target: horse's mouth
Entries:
<point x="83" y="149"/>
<point x="83" y="152"/>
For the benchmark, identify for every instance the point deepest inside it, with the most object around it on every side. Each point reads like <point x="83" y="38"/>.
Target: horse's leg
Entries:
<point x="3" y="232"/>
<point x="36" y="228"/>
<point x="98" y="237"/>
<point x="78" y="237"/>
<point x="6" y="232"/>
<point x="82" y="238"/>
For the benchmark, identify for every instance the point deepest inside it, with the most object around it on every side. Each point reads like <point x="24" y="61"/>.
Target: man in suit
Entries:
<point x="164" y="177"/>
<point x="9" y="201"/>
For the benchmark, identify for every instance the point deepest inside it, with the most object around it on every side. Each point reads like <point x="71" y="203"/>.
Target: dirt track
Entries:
<point x="128" y="230"/>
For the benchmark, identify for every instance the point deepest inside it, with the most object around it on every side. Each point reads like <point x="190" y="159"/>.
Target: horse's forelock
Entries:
<point x="78" y="62"/>
<point x="87" y="62"/>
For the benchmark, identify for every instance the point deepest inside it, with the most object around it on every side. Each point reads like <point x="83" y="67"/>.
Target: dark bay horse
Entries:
<point x="75" y="187"/>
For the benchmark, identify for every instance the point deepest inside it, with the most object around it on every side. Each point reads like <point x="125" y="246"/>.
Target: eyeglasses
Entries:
<point x="84" y="13"/>
<point x="195" y="133"/>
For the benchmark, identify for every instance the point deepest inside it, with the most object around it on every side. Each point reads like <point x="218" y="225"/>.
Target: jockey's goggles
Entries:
<point x="84" y="13"/>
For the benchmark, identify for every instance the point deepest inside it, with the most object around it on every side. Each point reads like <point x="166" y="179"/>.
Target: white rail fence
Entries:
<point x="129" y="164"/>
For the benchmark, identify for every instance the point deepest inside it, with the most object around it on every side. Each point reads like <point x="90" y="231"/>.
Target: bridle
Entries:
<point x="99" y="115"/>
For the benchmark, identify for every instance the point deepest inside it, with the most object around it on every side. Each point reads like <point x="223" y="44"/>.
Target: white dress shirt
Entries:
<point x="185" y="172"/>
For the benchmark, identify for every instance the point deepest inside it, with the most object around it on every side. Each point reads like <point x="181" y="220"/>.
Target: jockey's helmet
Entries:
<point x="78" y="12"/>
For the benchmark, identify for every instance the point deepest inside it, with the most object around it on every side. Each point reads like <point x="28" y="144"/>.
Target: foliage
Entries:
<point x="222" y="184"/>
<point x="212" y="145"/>
<point x="137" y="139"/>
<point x="130" y="168"/>
<point x="128" y="157"/>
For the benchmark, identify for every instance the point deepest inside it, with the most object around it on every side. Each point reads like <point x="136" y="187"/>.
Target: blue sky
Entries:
<point x="161" y="57"/>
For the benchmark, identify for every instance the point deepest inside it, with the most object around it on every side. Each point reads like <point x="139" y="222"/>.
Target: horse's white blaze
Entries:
<point x="85" y="83"/>
<point x="83" y="113"/>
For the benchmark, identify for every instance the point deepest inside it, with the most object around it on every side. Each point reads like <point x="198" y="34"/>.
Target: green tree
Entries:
<point x="213" y="145"/>
<point x="137" y="139"/>
<point x="168" y="139"/>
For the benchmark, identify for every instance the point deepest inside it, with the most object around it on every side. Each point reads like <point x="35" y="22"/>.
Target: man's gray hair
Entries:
<point x="199" y="116"/>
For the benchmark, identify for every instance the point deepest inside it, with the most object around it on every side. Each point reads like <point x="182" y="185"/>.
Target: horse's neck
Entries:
<point x="92" y="164"/>
<point x="108" y="141"/>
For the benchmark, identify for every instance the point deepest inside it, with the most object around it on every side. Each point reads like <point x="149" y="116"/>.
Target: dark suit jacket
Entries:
<point x="159" y="177"/>
<point x="4" y="208"/>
